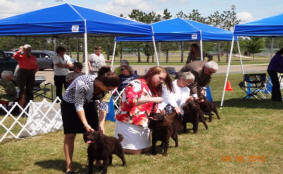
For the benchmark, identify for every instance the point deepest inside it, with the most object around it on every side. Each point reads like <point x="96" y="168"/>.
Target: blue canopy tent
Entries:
<point x="266" y="27"/>
<point x="178" y="29"/>
<point x="67" y="19"/>
<point x="271" y="26"/>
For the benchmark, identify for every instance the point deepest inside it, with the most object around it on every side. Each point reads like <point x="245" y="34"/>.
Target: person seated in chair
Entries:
<point x="276" y="66"/>
<point x="8" y="92"/>
<point x="117" y="70"/>
<point x="126" y="76"/>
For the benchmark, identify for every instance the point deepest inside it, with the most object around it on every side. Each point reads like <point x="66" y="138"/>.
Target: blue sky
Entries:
<point x="247" y="10"/>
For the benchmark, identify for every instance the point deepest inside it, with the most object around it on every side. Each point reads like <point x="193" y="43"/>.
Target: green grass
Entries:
<point x="248" y="129"/>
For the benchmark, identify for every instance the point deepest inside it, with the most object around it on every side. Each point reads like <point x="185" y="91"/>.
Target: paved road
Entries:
<point x="141" y="69"/>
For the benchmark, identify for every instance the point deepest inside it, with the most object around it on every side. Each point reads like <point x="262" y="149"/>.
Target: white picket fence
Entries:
<point x="36" y="118"/>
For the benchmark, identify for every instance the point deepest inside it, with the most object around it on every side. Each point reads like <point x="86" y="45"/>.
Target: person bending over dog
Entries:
<point x="137" y="102"/>
<point x="179" y="95"/>
<point x="202" y="72"/>
<point x="79" y="112"/>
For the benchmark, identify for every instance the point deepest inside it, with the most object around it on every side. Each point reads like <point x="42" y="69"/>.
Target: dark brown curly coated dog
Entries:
<point x="101" y="147"/>
<point x="193" y="114"/>
<point x="208" y="107"/>
<point x="163" y="127"/>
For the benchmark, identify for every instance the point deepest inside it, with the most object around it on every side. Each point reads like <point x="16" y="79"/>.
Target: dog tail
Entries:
<point x="120" y="137"/>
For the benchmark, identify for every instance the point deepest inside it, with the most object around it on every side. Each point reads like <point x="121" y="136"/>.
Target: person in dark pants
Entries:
<point x="62" y="63"/>
<point x="78" y="109"/>
<point x="26" y="73"/>
<point x="276" y="66"/>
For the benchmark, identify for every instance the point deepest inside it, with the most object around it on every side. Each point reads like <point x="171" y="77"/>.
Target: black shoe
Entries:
<point x="70" y="172"/>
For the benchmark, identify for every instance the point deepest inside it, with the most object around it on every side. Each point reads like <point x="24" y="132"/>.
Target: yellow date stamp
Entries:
<point x="243" y="158"/>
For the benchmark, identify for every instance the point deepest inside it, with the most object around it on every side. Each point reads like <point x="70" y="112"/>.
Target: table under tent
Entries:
<point x="266" y="27"/>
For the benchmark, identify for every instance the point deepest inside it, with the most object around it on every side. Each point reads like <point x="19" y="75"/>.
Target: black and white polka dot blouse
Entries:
<point x="80" y="91"/>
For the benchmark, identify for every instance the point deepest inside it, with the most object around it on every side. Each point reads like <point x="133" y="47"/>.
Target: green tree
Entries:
<point x="166" y="14"/>
<point x="215" y="19"/>
<point x="137" y="15"/>
<point x="254" y="45"/>
<point x="230" y="18"/>
<point x="181" y="15"/>
<point x="196" y="16"/>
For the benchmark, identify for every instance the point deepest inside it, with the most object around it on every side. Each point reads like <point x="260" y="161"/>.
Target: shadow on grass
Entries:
<point x="251" y="103"/>
<point x="60" y="165"/>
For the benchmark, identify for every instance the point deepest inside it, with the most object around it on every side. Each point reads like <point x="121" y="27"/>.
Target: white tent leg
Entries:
<point x="201" y="48"/>
<point x="227" y="72"/>
<point x="86" y="53"/>
<point x="155" y="51"/>
<point x="113" y="55"/>
<point x="241" y="61"/>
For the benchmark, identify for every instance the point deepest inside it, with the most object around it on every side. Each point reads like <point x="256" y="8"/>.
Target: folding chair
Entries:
<point x="41" y="88"/>
<point x="254" y="85"/>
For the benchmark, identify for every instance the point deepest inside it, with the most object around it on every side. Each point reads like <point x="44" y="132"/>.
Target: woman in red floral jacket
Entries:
<point x="136" y="104"/>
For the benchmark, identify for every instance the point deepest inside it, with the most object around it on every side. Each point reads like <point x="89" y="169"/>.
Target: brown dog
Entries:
<point x="101" y="147"/>
<point x="207" y="107"/>
<point x="163" y="127"/>
<point x="193" y="114"/>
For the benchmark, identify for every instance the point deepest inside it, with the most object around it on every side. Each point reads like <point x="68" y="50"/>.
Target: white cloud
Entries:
<point x="183" y="1"/>
<point x="15" y="7"/>
<point x="245" y="16"/>
<point x="116" y="7"/>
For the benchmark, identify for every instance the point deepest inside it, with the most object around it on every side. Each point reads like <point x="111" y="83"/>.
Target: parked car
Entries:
<point x="7" y="62"/>
<point x="44" y="58"/>
<point x="9" y="53"/>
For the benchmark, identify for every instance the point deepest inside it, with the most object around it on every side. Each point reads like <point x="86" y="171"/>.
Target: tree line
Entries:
<point x="225" y="19"/>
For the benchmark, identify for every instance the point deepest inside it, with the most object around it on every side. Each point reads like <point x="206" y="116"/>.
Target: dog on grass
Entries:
<point x="193" y="114"/>
<point x="208" y="107"/>
<point x="163" y="127"/>
<point x="101" y="147"/>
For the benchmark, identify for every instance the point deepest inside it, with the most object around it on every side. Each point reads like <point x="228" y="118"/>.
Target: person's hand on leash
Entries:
<point x="88" y="128"/>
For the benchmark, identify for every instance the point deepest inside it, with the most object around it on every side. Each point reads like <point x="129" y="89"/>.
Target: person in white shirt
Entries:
<point x="180" y="93"/>
<point x="96" y="61"/>
<point x="62" y="63"/>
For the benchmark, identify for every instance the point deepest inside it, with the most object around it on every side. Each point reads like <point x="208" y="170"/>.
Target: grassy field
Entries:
<point x="247" y="139"/>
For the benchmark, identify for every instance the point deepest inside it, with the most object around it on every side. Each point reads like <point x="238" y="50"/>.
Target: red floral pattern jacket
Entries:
<point x="130" y="112"/>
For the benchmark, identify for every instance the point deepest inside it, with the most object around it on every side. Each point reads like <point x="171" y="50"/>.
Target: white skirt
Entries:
<point x="135" y="137"/>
